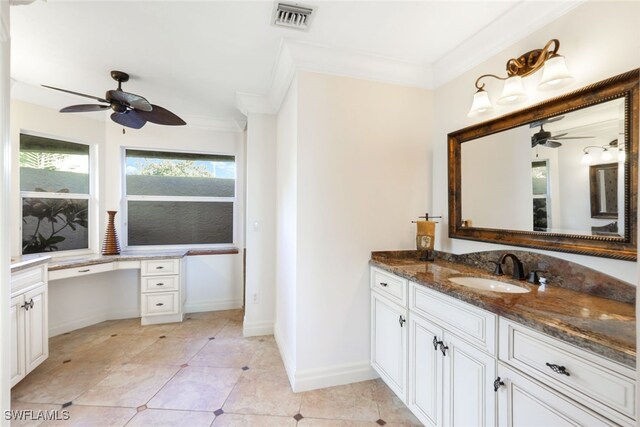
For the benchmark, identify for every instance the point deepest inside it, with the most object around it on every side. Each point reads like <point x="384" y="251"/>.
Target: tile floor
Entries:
<point x="201" y="372"/>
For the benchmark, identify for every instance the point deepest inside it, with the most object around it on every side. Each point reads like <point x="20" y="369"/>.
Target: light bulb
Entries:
<point x="481" y="104"/>
<point x="606" y="155"/>
<point x="586" y="158"/>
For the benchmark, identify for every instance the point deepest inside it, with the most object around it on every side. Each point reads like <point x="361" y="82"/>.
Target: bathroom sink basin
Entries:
<point x="489" y="285"/>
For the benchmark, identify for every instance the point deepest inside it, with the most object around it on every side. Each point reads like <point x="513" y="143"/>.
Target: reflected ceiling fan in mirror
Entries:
<point x="129" y="110"/>
<point x="547" y="139"/>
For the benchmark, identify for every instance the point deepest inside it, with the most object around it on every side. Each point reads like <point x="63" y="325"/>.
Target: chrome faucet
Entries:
<point x="518" y="268"/>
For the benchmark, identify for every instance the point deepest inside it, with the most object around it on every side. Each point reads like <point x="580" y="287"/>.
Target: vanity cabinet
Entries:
<point x="163" y="292"/>
<point x="459" y="365"/>
<point x="450" y="379"/>
<point x="389" y="333"/>
<point x="29" y="321"/>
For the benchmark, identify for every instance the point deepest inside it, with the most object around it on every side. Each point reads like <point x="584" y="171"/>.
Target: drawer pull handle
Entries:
<point x="558" y="369"/>
<point x="160" y="304"/>
<point x="401" y="321"/>
<point x="27" y="305"/>
<point x="384" y="284"/>
<point x="84" y="271"/>
<point x="436" y="343"/>
<point x="159" y="284"/>
<point x="159" y="267"/>
<point x="497" y="384"/>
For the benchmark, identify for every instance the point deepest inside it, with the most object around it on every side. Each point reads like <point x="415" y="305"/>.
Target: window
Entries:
<point x="55" y="193"/>
<point x="179" y="198"/>
<point x="541" y="208"/>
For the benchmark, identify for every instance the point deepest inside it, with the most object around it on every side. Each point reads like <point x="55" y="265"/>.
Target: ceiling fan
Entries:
<point x="547" y="139"/>
<point x="129" y="110"/>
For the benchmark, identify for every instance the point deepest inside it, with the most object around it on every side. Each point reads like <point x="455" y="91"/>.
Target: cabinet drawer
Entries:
<point x="160" y="303"/>
<point x="27" y="278"/>
<point x="592" y="380"/>
<point x="80" y="271"/>
<point x="471" y="323"/>
<point x="160" y="267"/>
<point x="389" y="285"/>
<point x="160" y="283"/>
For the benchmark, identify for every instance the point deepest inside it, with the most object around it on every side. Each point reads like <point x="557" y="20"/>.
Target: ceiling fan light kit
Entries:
<point x="129" y="110"/>
<point x="554" y="75"/>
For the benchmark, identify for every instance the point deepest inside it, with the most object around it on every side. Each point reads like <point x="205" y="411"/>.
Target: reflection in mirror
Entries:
<point x="563" y="174"/>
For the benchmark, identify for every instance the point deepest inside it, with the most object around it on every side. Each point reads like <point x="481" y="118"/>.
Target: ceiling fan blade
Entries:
<point x="130" y="99"/>
<point x="161" y="116"/>
<point x="83" y="108"/>
<point x="76" y="93"/>
<point x="129" y="119"/>
<point x="573" y="137"/>
<point x="560" y="135"/>
<point x="545" y="121"/>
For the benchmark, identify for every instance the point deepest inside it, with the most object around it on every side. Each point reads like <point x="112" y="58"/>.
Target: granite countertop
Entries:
<point x="604" y="326"/>
<point x="60" y="263"/>
<point x="23" y="262"/>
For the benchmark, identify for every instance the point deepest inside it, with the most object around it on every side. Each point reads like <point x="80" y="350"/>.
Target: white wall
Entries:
<point x="361" y="179"/>
<point x="261" y="224"/>
<point x="285" y="326"/>
<point x="214" y="282"/>
<point x="5" y="200"/>
<point x="599" y="40"/>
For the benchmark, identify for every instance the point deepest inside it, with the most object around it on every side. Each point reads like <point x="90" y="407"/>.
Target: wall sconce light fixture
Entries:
<point x="606" y="154"/>
<point x="554" y="75"/>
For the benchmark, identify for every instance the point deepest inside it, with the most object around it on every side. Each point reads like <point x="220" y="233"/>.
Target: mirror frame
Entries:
<point x="621" y="86"/>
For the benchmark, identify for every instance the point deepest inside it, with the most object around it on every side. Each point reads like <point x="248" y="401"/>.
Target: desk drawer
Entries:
<point x="475" y="325"/>
<point x="591" y="380"/>
<point x="160" y="267"/>
<point x="80" y="271"/>
<point x="27" y="278"/>
<point x="389" y="285"/>
<point x="160" y="283"/>
<point x="160" y="303"/>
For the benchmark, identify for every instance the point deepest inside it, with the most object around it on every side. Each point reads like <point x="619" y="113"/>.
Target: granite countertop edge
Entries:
<point x="582" y="339"/>
<point x="29" y="262"/>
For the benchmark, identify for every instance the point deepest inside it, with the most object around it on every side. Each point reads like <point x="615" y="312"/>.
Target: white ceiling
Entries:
<point x="192" y="57"/>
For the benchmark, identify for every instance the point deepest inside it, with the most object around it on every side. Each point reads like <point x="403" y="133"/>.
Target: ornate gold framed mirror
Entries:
<point x="561" y="175"/>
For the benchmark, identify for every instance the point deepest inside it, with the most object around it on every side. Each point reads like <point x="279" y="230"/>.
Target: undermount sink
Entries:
<point x="489" y="285"/>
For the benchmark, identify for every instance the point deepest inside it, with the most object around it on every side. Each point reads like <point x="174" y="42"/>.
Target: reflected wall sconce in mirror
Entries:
<point x="554" y="75"/>
<point x="606" y="154"/>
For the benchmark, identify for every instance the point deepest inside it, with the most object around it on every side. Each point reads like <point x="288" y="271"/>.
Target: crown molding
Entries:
<point x="219" y="124"/>
<point x="520" y="21"/>
<point x="254" y="103"/>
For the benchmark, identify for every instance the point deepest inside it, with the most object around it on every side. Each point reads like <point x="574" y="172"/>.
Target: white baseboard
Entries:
<point x="284" y="354"/>
<point x="256" y="329"/>
<point x="312" y="379"/>
<point x="83" y="322"/>
<point x="213" y="305"/>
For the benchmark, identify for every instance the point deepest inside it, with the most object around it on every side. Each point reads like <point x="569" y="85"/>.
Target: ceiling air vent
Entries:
<point x="292" y="15"/>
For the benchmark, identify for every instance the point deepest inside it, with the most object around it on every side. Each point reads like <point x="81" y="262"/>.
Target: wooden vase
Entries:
<point x="111" y="246"/>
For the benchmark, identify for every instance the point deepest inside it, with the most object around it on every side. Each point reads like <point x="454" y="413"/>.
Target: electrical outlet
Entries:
<point x="255" y="298"/>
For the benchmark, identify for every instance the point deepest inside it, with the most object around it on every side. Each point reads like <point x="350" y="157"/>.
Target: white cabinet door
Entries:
<point x="36" y="326"/>
<point x="425" y="370"/>
<point x="17" y="312"/>
<point x="469" y="398"/>
<point x="389" y="343"/>
<point x="526" y="403"/>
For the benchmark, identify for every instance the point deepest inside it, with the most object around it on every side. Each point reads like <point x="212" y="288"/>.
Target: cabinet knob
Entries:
<point x="497" y="384"/>
<point x="443" y="348"/>
<point x="401" y="321"/>
<point x="436" y="343"/>
<point x="384" y="284"/>
<point x="558" y="369"/>
<point x="159" y="304"/>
